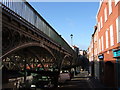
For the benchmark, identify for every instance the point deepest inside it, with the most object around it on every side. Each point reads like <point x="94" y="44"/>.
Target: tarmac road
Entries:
<point x="77" y="83"/>
<point x="80" y="81"/>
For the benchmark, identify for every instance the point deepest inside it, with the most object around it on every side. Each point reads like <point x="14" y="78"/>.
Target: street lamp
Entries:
<point x="71" y="39"/>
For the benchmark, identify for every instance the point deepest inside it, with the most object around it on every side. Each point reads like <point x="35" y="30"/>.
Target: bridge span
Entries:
<point x="31" y="46"/>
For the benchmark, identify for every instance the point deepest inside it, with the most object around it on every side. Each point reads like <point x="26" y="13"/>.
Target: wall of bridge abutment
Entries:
<point x="0" y="47"/>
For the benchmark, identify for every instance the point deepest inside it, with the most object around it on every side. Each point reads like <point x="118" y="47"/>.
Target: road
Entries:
<point x="77" y="83"/>
<point x="80" y="81"/>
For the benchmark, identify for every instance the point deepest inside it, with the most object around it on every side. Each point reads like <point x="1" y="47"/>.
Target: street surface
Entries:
<point x="80" y="81"/>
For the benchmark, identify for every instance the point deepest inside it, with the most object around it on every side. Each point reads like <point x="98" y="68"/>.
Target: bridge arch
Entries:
<point x="35" y="50"/>
<point x="66" y="62"/>
<point x="29" y="45"/>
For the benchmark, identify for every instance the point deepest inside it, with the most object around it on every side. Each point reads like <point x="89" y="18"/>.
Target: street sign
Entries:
<point x="116" y="53"/>
<point x="101" y="56"/>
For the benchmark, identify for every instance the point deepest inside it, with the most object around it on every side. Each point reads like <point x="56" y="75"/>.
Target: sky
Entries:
<point x="77" y="18"/>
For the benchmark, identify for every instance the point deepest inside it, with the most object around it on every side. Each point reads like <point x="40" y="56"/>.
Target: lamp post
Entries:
<point x="71" y="39"/>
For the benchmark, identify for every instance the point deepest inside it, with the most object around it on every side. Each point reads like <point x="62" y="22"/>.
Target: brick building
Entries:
<point x="107" y="43"/>
<point x="108" y="38"/>
<point x="93" y="53"/>
<point x="90" y="51"/>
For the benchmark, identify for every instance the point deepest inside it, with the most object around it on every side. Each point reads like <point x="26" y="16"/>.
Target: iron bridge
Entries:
<point x="31" y="45"/>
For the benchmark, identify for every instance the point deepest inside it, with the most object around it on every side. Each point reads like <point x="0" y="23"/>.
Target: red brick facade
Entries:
<point x="111" y="20"/>
<point x="108" y="39"/>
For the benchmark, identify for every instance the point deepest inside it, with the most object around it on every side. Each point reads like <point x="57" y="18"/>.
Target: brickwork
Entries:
<point x="107" y="38"/>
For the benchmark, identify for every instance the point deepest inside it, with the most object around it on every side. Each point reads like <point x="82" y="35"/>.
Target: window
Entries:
<point x="101" y="25"/>
<point x="102" y="43"/>
<point x="99" y="46"/>
<point x="116" y="1"/>
<point x="106" y="38"/>
<point x="101" y="2"/>
<point x="118" y="29"/>
<point x="98" y="26"/>
<point x="110" y="7"/>
<point x="95" y="38"/>
<point x="105" y="14"/>
<point x="95" y="51"/>
<point x="108" y="52"/>
<point x="111" y="36"/>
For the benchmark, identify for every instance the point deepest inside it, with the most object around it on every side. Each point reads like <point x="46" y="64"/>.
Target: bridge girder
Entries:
<point x="25" y="48"/>
<point x="18" y="35"/>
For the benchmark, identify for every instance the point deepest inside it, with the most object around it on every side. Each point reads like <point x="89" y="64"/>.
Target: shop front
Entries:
<point x="116" y="54"/>
<point x="101" y="66"/>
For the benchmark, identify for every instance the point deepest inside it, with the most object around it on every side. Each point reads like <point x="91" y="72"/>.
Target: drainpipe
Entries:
<point x="93" y="57"/>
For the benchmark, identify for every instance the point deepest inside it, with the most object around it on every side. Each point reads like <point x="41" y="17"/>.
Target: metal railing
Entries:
<point x="26" y="11"/>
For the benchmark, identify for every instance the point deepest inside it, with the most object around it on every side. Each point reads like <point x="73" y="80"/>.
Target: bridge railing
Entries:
<point x="26" y="11"/>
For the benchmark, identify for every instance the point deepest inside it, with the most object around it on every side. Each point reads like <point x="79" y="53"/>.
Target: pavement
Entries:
<point x="83" y="81"/>
<point x="80" y="82"/>
<point x="96" y="83"/>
